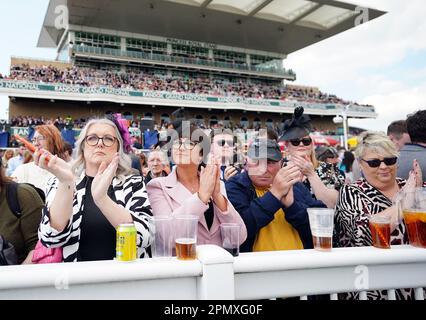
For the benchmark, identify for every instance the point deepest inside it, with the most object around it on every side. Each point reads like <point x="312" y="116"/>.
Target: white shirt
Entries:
<point x="30" y="173"/>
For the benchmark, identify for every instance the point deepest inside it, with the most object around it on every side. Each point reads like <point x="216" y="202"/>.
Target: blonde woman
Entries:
<point x="8" y="154"/>
<point x="373" y="195"/>
<point x="300" y="148"/>
<point x="88" y="200"/>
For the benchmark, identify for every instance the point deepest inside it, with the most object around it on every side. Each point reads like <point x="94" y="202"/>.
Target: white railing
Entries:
<point x="217" y="275"/>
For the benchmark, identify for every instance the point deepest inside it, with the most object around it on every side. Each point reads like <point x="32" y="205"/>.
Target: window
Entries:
<point x="128" y="115"/>
<point x="97" y="40"/>
<point x="148" y="46"/>
<point x="256" y="59"/>
<point x="165" y="117"/>
<point x="244" y="122"/>
<point x="213" y="120"/>
<point x="257" y="122"/>
<point x="226" y="122"/>
<point x="229" y="56"/>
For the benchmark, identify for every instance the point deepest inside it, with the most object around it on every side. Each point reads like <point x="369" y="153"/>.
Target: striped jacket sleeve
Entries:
<point x="48" y="236"/>
<point x="137" y="203"/>
<point x="351" y="217"/>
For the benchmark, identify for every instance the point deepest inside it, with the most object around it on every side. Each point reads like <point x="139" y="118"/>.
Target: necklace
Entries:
<point x="190" y="188"/>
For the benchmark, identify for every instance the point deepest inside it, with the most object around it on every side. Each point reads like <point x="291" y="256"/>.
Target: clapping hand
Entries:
<point x="284" y="180"/>
<point x="304" y="164"/>
<point x="229" y="172"/>
<point x="102" y="181"/>
<point x="208" y="182"/>
<point x="417" y="173"/>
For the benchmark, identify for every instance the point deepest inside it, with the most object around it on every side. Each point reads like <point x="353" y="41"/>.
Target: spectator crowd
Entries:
<point x="67" y="196"/>
<point x="178" y="82"/>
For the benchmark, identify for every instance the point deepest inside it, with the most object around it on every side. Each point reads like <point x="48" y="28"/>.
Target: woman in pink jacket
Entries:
<point x="194" y="189"/>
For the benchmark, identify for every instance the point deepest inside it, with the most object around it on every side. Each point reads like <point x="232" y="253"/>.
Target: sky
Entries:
<point x="382" y="62"/>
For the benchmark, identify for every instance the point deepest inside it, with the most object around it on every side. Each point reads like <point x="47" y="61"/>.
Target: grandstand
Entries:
<point x="220" y="60"/>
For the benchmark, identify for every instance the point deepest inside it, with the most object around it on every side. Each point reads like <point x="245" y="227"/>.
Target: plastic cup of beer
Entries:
<point x="414" y="213"/>
<point x="231" y="238"/>
<point x="186" y="228"/>
<point x="415" y="222"/>
<point x="321" y="222"/>
<point x="163" y="237"/>
<point x="380" y="227"/>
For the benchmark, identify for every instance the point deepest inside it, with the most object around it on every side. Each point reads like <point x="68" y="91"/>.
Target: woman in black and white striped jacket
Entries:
<point x="87" y="201"/>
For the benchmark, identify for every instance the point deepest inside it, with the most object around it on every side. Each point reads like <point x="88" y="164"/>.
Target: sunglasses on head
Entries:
<point x="296" y="142"/>
<point x="374" y="163"/>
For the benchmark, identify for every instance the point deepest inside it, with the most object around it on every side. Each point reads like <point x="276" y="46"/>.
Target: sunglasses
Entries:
<point x="222" y="143"/>
<point x="296" y="142"/>
<point x="374" y="163"/>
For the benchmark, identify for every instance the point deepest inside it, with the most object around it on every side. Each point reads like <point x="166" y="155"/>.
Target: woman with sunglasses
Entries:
<point x="192" y="188"/>
<point x="300" y="151"/>
<point x="374" y="194"/>
<point x="88" y="199"/>
<point x="46" y="137"/>
<point x="223" y="152"/>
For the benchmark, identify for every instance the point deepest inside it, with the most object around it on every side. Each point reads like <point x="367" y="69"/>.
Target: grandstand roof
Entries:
<point x="280" y="26"/>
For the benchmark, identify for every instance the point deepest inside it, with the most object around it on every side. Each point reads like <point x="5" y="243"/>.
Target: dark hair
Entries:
<point x="271" y="134"/>
<point x="348" y="160"/>
<point x="397" y="128"/>
<point x="68" y="148"/>
<point x="325" y="153"/>
<point x="416" y="126"/>
<point x="195" y="135"/>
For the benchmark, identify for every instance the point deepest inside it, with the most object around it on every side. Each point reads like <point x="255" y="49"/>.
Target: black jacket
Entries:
<point x="259" y="212"/>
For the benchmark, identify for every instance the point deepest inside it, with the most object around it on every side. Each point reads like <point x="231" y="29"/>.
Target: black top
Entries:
<point x="209" y="215"/>
<point x="98" y="236"/>
<point x="149" y="176"/>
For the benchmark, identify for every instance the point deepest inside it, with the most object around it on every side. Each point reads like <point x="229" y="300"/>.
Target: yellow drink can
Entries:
<point x="126" y="242"/>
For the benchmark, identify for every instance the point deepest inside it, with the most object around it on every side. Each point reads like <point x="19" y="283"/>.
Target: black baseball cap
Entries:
<point x="264" y="149"/>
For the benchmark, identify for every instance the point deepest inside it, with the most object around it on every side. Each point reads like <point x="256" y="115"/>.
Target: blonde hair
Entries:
<point x="313" y="157"/>
<point x="124" y="164"/>
<point x="377" y="142"/>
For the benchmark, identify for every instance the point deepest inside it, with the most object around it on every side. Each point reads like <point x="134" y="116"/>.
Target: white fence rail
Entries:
<point x="218" y="275"/>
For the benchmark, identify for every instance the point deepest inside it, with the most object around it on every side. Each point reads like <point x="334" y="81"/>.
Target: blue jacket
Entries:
<point x="259" y="212"/>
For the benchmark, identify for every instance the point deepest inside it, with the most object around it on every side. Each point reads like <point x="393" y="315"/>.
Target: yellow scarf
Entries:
<point x="278" y="234"/>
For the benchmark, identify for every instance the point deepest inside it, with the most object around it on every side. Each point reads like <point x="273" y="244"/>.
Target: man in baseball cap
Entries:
<point x="264" y="149"/>
<point x="262" y="194"/>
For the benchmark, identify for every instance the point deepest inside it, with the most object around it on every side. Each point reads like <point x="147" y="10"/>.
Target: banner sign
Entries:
<point x="74" y="89"/>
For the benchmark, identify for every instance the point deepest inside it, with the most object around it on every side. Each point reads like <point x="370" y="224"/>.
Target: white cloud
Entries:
<point x="393" y="106"/>
<point x="354" y="65"/>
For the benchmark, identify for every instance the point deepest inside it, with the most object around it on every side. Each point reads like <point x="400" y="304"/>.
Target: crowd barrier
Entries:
<point x="215" y="274"/>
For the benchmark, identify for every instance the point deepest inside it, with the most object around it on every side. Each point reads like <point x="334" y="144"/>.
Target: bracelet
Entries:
<point x="208" y="201"/>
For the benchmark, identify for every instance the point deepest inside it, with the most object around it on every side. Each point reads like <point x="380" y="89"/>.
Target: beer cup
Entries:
<point x="413" y="205"/>
<point x="380" y="231"/>
<point x="321" y="222"/>
<point x="186" y="228"/>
